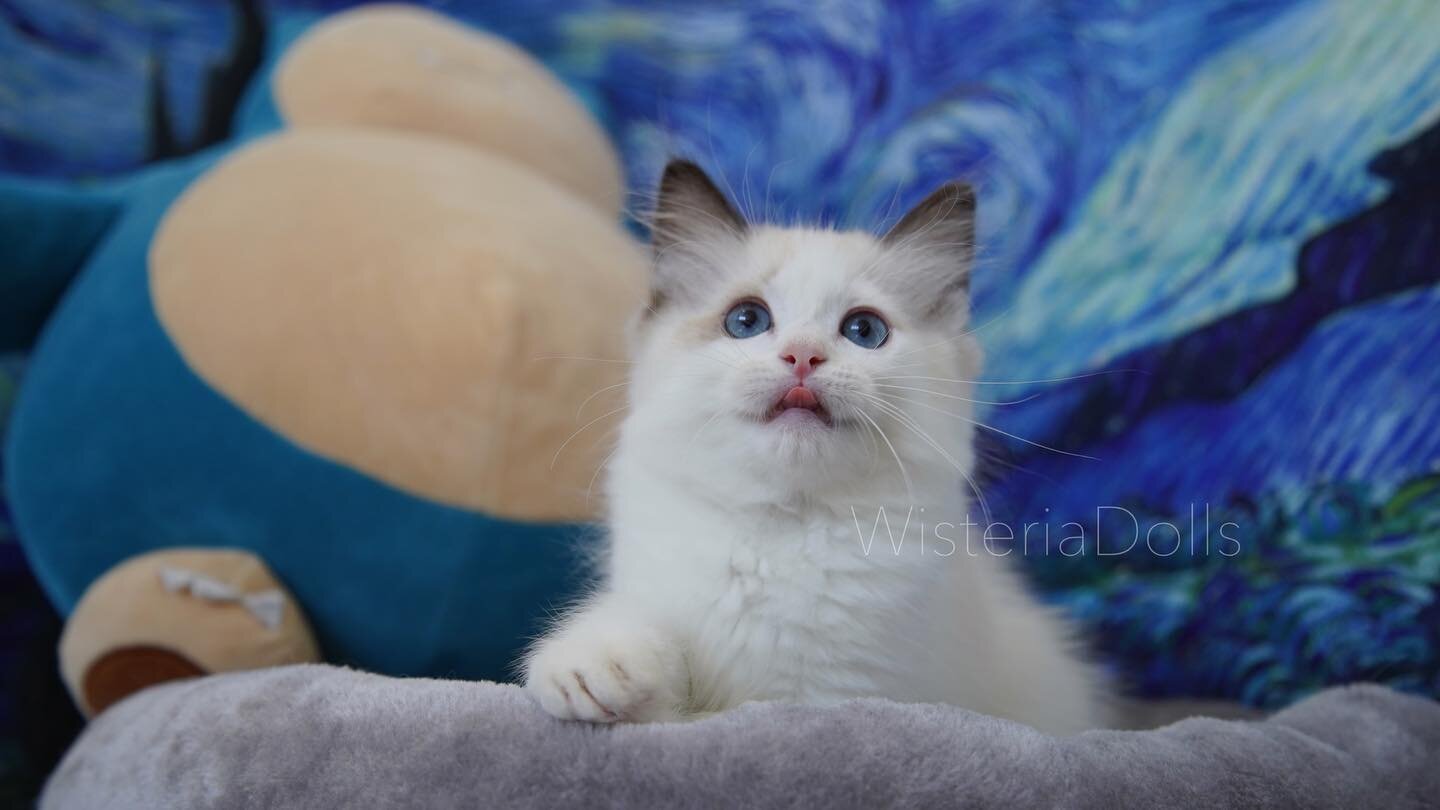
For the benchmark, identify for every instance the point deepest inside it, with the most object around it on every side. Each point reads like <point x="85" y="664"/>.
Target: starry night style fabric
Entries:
<point x="1208" y="282"/>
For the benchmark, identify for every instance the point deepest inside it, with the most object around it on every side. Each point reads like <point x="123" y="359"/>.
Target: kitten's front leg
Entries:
<point x="607" y="664"/>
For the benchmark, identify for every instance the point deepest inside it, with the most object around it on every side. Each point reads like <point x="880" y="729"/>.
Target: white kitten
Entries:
<point x="777" y="405"/>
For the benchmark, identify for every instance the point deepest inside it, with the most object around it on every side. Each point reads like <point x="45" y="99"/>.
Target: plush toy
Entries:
<point x="374" y="349"/>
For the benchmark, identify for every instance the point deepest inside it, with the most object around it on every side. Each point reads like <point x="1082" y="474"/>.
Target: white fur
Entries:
<point x="737" y="567"/>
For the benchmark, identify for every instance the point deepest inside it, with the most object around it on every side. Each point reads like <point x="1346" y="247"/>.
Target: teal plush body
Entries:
<point x="116" y="447"/>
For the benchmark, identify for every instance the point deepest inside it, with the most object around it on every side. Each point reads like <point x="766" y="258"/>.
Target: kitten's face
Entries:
<point x="794" y="360"/>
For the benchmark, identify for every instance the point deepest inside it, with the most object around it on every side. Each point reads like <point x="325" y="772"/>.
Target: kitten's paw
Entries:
<point x="629" y="677"/>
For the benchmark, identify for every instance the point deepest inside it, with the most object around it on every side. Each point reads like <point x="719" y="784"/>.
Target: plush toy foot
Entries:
<point x="120" y="673"/>
<point x="174" y="614"/>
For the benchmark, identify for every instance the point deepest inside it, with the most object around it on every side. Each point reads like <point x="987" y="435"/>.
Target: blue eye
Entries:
<point x="865" y="329"/>
<point x="747" y="319"/>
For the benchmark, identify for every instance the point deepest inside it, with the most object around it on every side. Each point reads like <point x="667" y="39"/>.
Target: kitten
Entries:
<point x="777" y="404"/>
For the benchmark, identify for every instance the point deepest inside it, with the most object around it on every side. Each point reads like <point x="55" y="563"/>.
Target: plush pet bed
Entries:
<point x="317" y="736"/>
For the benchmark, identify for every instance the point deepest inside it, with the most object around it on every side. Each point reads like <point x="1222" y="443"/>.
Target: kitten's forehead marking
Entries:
<point x="812" y="273"/>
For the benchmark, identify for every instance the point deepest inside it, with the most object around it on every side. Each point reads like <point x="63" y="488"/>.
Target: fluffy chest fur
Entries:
<point x="776" y="603"/>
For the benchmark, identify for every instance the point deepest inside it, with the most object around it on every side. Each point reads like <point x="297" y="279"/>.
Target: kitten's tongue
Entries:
<point x="799" y="397"/>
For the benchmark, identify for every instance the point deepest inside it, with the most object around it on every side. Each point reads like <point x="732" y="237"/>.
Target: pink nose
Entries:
<point x="804" y="358"/>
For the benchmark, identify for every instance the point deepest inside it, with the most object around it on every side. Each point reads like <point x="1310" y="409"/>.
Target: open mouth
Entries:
<point x="800" y="404"/>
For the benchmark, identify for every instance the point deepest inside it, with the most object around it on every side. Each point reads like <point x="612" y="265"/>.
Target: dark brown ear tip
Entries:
<point x="951" y="205"/>
<point x="962" y="194"/>
<point x="679" y="170"/>
<point x="683" y="179"/>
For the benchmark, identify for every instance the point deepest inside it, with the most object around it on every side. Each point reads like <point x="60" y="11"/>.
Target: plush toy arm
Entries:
<point x="47" y="229"/>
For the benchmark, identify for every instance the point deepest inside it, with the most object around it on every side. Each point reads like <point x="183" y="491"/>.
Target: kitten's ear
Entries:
<point x="693" y="225"/>
<point x="690" y="207"/>
<point x="943" y="225"/>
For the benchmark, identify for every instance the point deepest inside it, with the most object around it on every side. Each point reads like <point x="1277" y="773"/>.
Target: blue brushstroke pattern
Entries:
<point x="1228" y="208"/>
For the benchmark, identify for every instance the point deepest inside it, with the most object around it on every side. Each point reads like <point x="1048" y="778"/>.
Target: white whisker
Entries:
<point x="576" y="357"/>
<point x="701" y="429"/>
<point x="599" y="469"/>
<point x="1014" y="382"/>
<point x="980" y="424"/>
<point x="582" y="429"/>
<point x="909" y="423"/>
<point x="597" y="393"/>
<point x="956" y="396"/>
<point x="966" y="333"/>
<point x="904" y="475"/>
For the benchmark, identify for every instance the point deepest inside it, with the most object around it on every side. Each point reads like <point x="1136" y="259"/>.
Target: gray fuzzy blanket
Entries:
<point x="324" y="737"/>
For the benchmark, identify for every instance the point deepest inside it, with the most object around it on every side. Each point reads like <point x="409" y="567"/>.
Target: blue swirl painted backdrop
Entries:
<point x="1209" y="261"/>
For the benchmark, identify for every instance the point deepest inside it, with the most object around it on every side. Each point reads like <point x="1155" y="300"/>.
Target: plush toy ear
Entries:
<point x="943" y="226"/>
<point x="693" y="226"/>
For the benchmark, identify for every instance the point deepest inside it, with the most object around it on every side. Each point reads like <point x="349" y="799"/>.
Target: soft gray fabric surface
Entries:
<point x="323" y="737"/>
